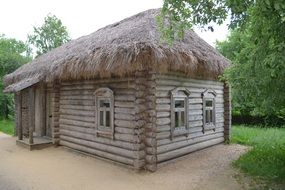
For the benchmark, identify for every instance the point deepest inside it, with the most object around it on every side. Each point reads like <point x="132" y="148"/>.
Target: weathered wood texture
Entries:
<point x="18" y="115"/>
<point x="25" y="112"/>
<point x="228" y="111"/>
<point x="145" y="117"/>
<point x="31" y="114"/>
<point x="186" y="141"/>
<point x="55" y="106"/>
<point x="141" y="119"/>
<point x="40" y="110"/>
<point x="77" y="121"/>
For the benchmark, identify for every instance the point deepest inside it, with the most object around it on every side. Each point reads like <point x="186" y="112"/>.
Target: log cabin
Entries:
<point x="123" y="95"/>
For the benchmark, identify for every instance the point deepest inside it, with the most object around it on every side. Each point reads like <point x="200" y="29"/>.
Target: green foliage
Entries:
<point x="258" y="69"/>
<point x="13" y="54"/>
<point x="50" y="35"/>
<point x="7" y="126"/>
<point x="266" y="159"/>
<point x="256" y="47"/>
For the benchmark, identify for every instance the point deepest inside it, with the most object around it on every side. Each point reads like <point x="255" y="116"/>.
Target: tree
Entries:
<point x="256" y="46"/>
<point x="50" y="35"/>
<point x="13" y="54"/>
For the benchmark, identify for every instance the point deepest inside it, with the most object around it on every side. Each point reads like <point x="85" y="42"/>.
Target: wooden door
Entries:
<point x="48" y="113"/>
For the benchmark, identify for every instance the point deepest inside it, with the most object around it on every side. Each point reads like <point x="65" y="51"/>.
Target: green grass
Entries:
<point x="7" y="126"/>
<point x="266" y="159"/>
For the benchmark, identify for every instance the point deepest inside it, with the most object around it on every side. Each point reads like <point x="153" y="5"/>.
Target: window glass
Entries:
<point x="209" y="103"/>
<point x="209" y="116"/>
<point x="104" y="103"/>
<point x="101" y="118"/>
<point x="182" y="118"/>
<point x="179" y="103"/>
<point x="107" y="119"/>
<point x="176" y="119"/>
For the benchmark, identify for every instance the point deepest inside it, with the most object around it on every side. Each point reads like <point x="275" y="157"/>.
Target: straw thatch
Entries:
<point x="119" y="50"/>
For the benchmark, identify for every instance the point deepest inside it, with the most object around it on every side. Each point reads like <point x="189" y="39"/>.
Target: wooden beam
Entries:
<point x="31" y="114"/>
<point x="19" y="115"/>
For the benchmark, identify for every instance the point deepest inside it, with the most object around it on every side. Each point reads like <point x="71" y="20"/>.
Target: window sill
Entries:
<point x="104" y="133"/>
<point x="209" y="127"/>
<point x="180" y="131"/>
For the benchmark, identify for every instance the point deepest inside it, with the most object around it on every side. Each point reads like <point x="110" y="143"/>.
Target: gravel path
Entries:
<point x="60" y="169"/>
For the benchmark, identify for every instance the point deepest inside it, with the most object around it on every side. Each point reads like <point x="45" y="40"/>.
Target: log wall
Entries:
<point x="196" y="139"/>
<point x="77" y="121"/>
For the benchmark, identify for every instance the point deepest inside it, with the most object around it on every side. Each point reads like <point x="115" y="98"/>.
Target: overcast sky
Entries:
<point x="81" y="17"/>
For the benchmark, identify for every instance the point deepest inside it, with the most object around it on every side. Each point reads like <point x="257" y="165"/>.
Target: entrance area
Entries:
<point x="34" y="118"/>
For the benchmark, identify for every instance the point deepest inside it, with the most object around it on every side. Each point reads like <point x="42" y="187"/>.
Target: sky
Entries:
<point x="81" y="17"/>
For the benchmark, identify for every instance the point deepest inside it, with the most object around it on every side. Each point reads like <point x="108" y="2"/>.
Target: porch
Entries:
<point x="34" y="117"/>
<point x="37" y="144"/>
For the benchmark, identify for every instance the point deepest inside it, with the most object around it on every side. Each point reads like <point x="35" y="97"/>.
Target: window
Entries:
<point x="179" y="111"/>
<point x="104" y="106"/>
<point x="209" y="115"/>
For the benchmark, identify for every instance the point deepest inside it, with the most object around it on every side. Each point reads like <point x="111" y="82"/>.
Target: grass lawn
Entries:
<point x="7" y="126"/>
<point x="266" y="159"/>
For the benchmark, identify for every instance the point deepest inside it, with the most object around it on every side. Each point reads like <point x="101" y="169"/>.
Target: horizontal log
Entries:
<point x="195" y="124"/>
<point x="150" y="150"/>
<point x="76" y="112"/>
<point x="162" y="100"/>
<point x="79" y="118"/>
<point x="76" y="92"/>
<point x="150" y="159"/>
<point x="150" y="142"/>
<point x="163" y="135"/>
<point x="185" y="150"/>
<point x="161" y="128"/>
<point x="102" y="154"/>
<point x="195" y="107"/>
<point x="78" y="107"/>
<point x="130" y="111"/>
<point x="191" y="89"/>
<point x="78" y="132"/>
<point x="166" y="94"/>
<point x="125" y="91"/>
<point x="78" y="97"/>
<point x="184" y="81"/>
<point x="106" y="148"/>
<point x="78" y="102"/>
<point x="76" y="123"/>
<point x="125" y="123"/>
<point x="195" y="101"/>
<point x="88" y="130"/>
<point x="124" y="104"/>
<point x="124" y="116"/>
<point x="126" y="98"/>
<point x="131" y="131"/>
<point x="195" y="112"/>
<point x="162" y="114"/>
<point x="163" y="107"/>
<point x="191" y="135"/>
<point x="184" y="143"/>
<point x="163" y="121"/>
<point x="195" y="117"/>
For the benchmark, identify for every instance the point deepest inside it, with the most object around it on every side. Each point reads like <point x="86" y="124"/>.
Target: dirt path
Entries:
<point x="60" y="169"/>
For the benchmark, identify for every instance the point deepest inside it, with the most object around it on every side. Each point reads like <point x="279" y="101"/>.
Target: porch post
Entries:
<point x="19" y="115"/>
<point x="31" y="114"/>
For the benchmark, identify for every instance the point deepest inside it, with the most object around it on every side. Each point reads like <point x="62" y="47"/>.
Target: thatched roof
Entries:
<point x="119" y="50"/>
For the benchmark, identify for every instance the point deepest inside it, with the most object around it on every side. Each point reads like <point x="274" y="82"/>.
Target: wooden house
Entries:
<point x="123" y="95"/>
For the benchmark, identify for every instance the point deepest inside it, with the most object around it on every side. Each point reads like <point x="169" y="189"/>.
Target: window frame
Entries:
<point x="104" y="94"/>
<point x="209" y="95"/>
<point x="179" y="93"/>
